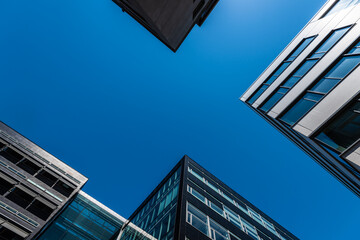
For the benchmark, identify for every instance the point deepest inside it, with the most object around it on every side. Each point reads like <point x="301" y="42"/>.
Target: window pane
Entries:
<point x="257" y="94"/>
<point x="299" y="109"/>
<point x="280" y="70"/>
<point x="198" y="195"/>
<point x="332" y="40"/>
<point x="304" y="44"/>
<point x="344" y="67"/>
<point x="325" y="85"/>
<point x="344" y="131"/>
<point x="291" y="82"/>
<point x="305" y="68"/>
<point x="218" y="228"/>
<point x="216" y="208"/>
<point x="199" y="225"/>
<point x="194" y="211"/>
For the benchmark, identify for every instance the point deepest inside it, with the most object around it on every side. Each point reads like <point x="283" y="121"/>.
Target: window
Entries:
<point x="322" y="86"/>
<point x="41" y="209"/>
<point x="250" y="229"/>
<point x="46" y="177"/>
<point x="29" y="166"/>
<point x="197" y="219"/>
<point x="280" y="69"/>
<point x="216" y="208"/>
<point x="6" y="183"/>
<point x="217" y="232"/>
<point x="11" y="155"/>
<point x="304" y="68"/>
<point x="21" y="197"/>
<point x="63" y="188"/>
<point x="196" y="194"/>
<point x="340" y="5"/>
<point x="344" y="130"/>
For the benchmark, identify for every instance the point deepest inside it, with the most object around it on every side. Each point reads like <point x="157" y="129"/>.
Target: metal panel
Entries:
<point x="316" y="71"/>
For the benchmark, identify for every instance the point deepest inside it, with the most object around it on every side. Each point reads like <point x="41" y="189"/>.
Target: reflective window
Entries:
<point x="280" y="69"/>
<point x="340" y="5"/>
<point x="304" y="68"/>
<point x="83" y="220"/>
<point x="197" y="219"/>
<point x="321" y="87"/>
<point x="344" y="130"/>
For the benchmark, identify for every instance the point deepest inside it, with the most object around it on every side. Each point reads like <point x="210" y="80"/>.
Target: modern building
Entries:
<point x="34" y="186"/>
<point x="169" y="20"/>
<point x="311" y="91"/>
<point x="192" y="204"/>
<point x="87" y="219"/>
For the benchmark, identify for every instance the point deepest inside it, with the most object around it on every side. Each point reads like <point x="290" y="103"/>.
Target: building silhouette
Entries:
<point x="311" y="91"/>
<point x="168" y="20"/>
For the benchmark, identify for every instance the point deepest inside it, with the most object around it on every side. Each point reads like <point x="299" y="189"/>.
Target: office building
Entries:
<point x="192" y="204"/>
<point x="311" y="91"/>
<point x="87" y="219"/>
<point x="168" y="20"/>
<point x="34" y="186"/>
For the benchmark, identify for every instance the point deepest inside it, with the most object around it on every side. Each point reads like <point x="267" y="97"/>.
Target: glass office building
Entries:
<point x="314" y="98"/>
<point x="169" y="21"/>
<point x="192" y="204"/>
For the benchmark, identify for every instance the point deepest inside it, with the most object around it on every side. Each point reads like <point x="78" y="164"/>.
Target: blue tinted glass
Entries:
<point x="341" y="4"/>
<point x="291" y="82"/>
<point x="343" y="131"/>
<point x="298" y="110"/>
<point x="304" y="44"/>
<point x="325" y="85"/>
<point x="355" y="51"/>
<point x="305" y="68"/>
<point x="318" y="55"/>
<point x="344" y="67"/>
<point x="257" y="94"/>
<point x="335" y="36"/>
<point x="281" y="69"/>
<point x="273" y="100"/>
<point x="271" y="79"/>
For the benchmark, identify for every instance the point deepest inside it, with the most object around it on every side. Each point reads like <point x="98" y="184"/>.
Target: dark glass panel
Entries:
<point x="20" y="197"/>
<point x="291" y="82"/>
<point x="4" y="186"/>
<point x="63" y="188"/>
<point x="40" y="210"/>
<point x="6" y="234"/>
<point x="303" y="45"/>
<point x="305" y="68"/>
<point x="11" y="155"/>
<point x="257" y="94"/>
<point x="335" y="36"/>
<point x="46" y="178"/>
<point x="29" y="166"/>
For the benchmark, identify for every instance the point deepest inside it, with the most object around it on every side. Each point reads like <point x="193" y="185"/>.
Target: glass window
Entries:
<point x="197" y="194"/>
<point x="344" y="67"/>
<point x="20" y="197"/>
<point x="216" y="208"/>
<point x="218" y="232"/>
<point x="213" y="187"/>
<point x="46" y="177"/>
<point x="300" y="108"/>
<point x="29" y="166"/>
<point x="228" y="198"/>
<point x="11" y="155"/>
<point x="197" y="219"/>
<point x="340" y="5"/>
<point x="332" y="40"/>
<point x="325" y="85"/>
<point x="343" y="131"/>
<point x="305" y="68"/>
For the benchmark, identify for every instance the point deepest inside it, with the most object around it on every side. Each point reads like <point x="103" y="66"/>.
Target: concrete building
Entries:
<point x="34" y="186"/>
<point x="192" y="204"/>
<point x="311" y="91"/>
<point x="168" y="20"/>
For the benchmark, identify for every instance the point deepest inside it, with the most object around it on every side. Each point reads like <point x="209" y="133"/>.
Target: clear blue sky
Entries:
<point x="91" y="86"/>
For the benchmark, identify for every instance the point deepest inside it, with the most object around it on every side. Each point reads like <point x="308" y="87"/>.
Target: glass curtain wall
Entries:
<point x="157" y="217"/>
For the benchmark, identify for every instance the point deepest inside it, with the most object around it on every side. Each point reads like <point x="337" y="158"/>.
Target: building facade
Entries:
<point x="192" y="204"/>
<point x="34" y="186"/>
<point x="168" y="20"/>
<point x="311" y="91"/>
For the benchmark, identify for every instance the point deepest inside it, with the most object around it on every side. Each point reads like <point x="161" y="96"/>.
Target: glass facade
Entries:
<point x="221" y="209"/>
<point x="281" y="68"/>
<point x="304" y="68"/>
<point x="343" y="131"/>
<point x="157" y="216"/>
<point x="348" y="62"/>
<point x="83" y="220"/>
<point x="340" y="5"/>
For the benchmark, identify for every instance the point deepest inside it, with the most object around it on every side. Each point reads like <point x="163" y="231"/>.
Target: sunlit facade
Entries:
<point x="311" y="91"/>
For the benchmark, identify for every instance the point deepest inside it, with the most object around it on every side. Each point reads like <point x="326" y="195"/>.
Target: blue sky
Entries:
<point x="91" y="86"/>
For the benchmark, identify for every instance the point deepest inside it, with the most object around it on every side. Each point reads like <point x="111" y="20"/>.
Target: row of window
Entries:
<point x="11" y="231"/>
<point x="315" y="93"/>
<point x="211" y="228"/>
<point x="233" y="217"/>
<point x="25" y="198"/>
<point x="295" y="53"/>
<point x="340" y="5"/>
<point x="304" y="68"/>
<point x="36" y="169"/>
<point x="240" y="205"/>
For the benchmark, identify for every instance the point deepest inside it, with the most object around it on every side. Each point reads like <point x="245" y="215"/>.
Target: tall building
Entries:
<point x="311" y="91"/>
<point x="169" y="20"/>
<point x="192" y="204"/>
<point x="34" y="186"/>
